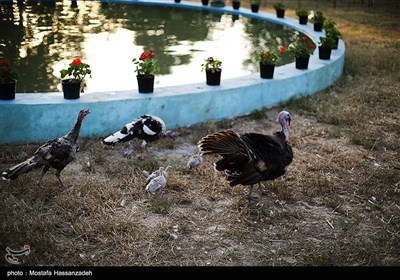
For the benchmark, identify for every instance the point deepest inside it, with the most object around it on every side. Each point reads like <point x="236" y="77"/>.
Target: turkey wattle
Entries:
<point x="147" y="128"/>
<point x="56" y="153"/>
<point x="251" y="158"/>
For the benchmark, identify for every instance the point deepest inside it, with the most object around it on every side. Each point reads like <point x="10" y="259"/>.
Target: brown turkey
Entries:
<point x="56" y="153"/>
<point x="251" y="158"/>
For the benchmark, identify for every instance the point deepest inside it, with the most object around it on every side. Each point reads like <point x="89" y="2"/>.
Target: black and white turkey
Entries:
<point x="147" y="128"/>
<point x="251" y="158"/>
<point x="56" y="153"/>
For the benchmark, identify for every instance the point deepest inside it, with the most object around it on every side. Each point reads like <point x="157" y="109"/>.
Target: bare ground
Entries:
<point x="338" y="204"/>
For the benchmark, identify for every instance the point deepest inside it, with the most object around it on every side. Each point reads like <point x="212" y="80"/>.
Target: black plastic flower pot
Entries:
<point x="145" y="83"/>
<point x="266" y="71"/>
<point x="280" y="13"/>
<point x="254" y="8"/>
<point x="318" y="26"/>
<point x="70" y="89"/>
<point x="324" y="53"/>
<point x="302" y="62"/>
<point x="7" y="90"/>
<point x="236" y="5"/>
<point x="213" y="78"/>
<point x="303" y="19"/>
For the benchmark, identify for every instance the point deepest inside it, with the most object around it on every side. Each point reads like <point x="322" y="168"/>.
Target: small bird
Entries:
<point x="147" y="128"/>
<point x="149" y="176"/>
<point x="194" y="161"/>
<point x="127" y="150"/>
<point x="251" y="158"/>
<point x="56" y="153"/>
<point x="157" y="180"/>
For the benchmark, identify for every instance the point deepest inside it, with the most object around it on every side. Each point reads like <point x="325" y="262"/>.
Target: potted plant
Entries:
<point x="318" y="20"/>
<point x="212" y="66"/>
<point x="302" y="13"/>
<point x="236" y="4"/>
<point x="330" y="29"/>
<point x="255" y="5"/>
<point x="268" y="60"/>
<point x="302" y="48"/>
<point x="326" y="45"/>
<point x="74" y="84"/>
<point x="8" y="80"/>
<point x="280" y="10"/>
<point x="204" y="2"/>
<point x="146" y="67"/>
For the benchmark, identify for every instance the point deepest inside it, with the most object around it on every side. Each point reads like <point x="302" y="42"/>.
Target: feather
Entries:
<point x="56" y="153"/>
<point x="147" y="128"/>
<point x="250" y="158"/>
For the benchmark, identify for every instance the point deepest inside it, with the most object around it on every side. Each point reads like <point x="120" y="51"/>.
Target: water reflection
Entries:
<point x="41" y="38"/>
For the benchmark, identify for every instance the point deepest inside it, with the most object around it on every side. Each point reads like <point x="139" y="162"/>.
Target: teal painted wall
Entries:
<point x="42" y="116"/>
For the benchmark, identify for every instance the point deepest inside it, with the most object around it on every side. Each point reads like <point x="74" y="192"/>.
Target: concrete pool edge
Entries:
<point x="42" y="116"/>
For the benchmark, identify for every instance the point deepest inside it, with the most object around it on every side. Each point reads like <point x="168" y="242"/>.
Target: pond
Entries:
<point x="41" y="38"/>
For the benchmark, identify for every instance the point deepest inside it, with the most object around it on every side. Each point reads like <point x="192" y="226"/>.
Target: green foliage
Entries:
<point x="211" y="64"/>
<point x="76" y="71"/>
<point x="318" y="17"/>
<point x="160" y="205"/>
<point x="146" y="65"/>
<point x="279" y="6"/>
<point x="327" y="42"/>
<point x="302" y="47"/>
<point x="271" y="56"/>
<point x="330" y="28"/>
<point x="258" y="114"/>
<point x="302" y="12"/>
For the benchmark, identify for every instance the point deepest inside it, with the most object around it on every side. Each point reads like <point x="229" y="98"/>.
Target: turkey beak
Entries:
<point x="289" y="120"/>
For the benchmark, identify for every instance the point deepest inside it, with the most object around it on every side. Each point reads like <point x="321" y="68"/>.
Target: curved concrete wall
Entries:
<point x="42" y="116"/>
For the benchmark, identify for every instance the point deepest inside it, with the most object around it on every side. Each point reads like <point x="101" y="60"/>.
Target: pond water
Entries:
<point x="41" y="38"/>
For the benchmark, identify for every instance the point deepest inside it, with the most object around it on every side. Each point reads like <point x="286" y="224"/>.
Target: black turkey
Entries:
<point x="56" y="153"/>
<point x="251" y="158"/>
<point x="147" y="128"/>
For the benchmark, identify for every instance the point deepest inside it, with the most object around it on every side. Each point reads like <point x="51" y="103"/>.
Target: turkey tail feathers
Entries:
<point x="21" y="168"/>
<point x="223" y="143"/>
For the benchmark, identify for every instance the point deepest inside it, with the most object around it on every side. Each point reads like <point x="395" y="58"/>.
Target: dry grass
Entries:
<point x="338" y="204"/>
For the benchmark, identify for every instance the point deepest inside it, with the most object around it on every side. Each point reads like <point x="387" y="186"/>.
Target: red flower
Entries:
<point x="147" y="55"/>
<point x="305" y="38"/>
<point x="282" y="49"/>
<point x="77" y="62"/>
<point x="310" y="47"/>
<point x="265" y="54"/>
<point x="6" y="73"/>
<point x="146" y="64"/>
